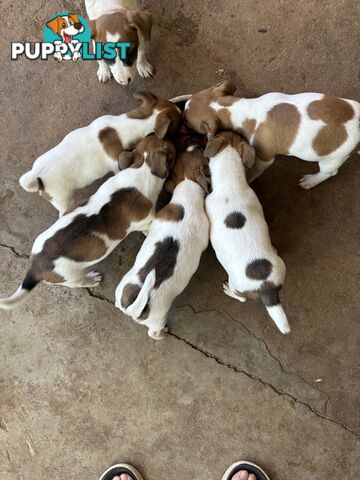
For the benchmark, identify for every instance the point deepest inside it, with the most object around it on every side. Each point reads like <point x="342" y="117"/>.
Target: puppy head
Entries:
<point x="168" y="115"/>
<point x="226" y="139"/>
<point x="123" y="27"/>
<point x="192" y="165"/>
<point x="199" y="115"/>
<point x="70" y="24"/>
<point x="159" y="154"/>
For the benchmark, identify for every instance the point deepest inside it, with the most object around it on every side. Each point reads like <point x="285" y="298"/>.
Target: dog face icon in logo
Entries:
<point x="66" y="26"/>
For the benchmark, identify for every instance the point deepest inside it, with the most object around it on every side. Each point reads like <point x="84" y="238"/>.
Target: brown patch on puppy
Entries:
<point x="334" y="112"/>
<point x="145" y="313"/>
<point x="163" y="260"/>
<point x="193" y="166"/>
<point x="129" y="294"/>
<point x="223" y="140"/>
<point x="116" y="22"/>
<point x="186" y="138"/>
<point x="158" y="154"/>
<point x="168" y="120"/>
<point x="173" y="212"/>
<point x="111" y="142"/>
<point x="248" y="128"/>
<point x="277" y="133"/>
<point x="204" y="119"/>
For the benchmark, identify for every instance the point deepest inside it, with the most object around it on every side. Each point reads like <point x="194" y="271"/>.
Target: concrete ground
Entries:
<point x="81" y="386"/>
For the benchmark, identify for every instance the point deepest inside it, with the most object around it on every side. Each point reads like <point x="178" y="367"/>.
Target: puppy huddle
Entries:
<point x="211" y="197"/>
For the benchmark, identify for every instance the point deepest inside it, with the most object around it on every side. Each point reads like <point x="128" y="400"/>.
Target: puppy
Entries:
<point x="311" y="126"/>
<point x="88" y="234"/>
<point x="238" y="230"/>
<point x="171" y="252"/>
<point x="91" y="152"/>
<point x="121" y="21"/>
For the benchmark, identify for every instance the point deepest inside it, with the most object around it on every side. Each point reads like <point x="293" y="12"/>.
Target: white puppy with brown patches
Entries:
<point x="238" y="230"/>
<point x="121" y="21"/>
<point x="311" y="126"/>
<point x="89" y="153"/>
<point x="171" y="252"/>
<point x="83" y="237"/>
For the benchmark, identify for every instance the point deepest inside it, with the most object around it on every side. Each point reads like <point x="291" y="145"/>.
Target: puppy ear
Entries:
<point x="142" y="21"/>
<point x="162" y="125"/>
<point x="214" y="146"/>
<point x="125" y="159"/>
<point x="54" y="25"/>
<point x="225" y="88"/>
<point x="147" y="98"/>
<point x="74" y="17"/>
<point x="203" y="180"/>
<point x="209" y="127"/>
<point x="248" y="155"/>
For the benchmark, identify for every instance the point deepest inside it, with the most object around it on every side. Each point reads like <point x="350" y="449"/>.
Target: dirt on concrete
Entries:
<point x="81" y="386"/>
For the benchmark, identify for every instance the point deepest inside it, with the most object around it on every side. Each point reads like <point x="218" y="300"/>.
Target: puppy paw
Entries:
<point x="94" y="278"/>
<point x="307" y="182"/>
<point x="157" y="335"/>
<point x="103" y="74"/>
<point x="145" y="69"/>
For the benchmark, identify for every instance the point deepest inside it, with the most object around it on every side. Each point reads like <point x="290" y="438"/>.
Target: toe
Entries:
<point x="242" y="475"/>
<point x="252" y="477"/>
<point x="125" y="476"/>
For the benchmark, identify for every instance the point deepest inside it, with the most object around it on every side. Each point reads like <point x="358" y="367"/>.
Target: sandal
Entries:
<point x="249" y="467"/>
<point x="120" y="468"/>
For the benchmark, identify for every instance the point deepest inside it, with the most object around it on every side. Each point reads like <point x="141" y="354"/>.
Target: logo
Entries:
<point x="67" y="36"/>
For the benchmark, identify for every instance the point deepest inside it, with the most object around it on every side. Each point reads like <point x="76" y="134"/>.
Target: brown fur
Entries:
<point x="223" y="140"/>
<point x="204" y="119"/>
<point x="111" y="142"/>
<point x="78" y="240"/>
<point x="126" y="24"/>
<point x="173" y="212"/>
<point x="248" y="128"/>
<point x="334" y="112"/>
<point x="277" y="133"/>
<point x="129" y="294"/>
<point x="169" y="120"/>
<point x="192" y="165"/>
<point x="163" y="260"/>
<point x="160" y="155"/>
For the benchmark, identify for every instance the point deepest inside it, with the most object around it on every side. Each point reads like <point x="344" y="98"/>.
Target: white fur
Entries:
<point x="302" y="147"/>
<point x="80" y="158"/>
<point x="72" y="271"/>
<point x="236" y="248"/>
<point x="192" y="233"/>
<point x="120" y="72"/>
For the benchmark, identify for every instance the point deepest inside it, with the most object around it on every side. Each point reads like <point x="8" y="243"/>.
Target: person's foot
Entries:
<point x="123" y="476"/>
<point x="242" y="475"/>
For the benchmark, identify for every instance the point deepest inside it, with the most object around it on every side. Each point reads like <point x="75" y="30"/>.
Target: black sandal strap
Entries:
<point x="249" y="468"/>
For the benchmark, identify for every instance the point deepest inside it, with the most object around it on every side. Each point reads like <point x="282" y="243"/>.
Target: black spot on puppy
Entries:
<point x="235" y="220"/>
<point x="163" y="260"/>
<point x="259" y="269"/>
<point x="269" y="294"/>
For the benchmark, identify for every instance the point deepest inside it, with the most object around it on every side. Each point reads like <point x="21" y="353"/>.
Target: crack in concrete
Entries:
<point x="266" y="384"/>
<point x="218" y="360"/>
<point x="12" y="249"/>
<point x="263" y="342"/>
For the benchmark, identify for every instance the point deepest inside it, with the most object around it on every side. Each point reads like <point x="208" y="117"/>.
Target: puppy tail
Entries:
<point x="271" y="300"/>
<point x="135" y="309"/>
<point x="30" y="182"/>
<point x="21" y="293"/>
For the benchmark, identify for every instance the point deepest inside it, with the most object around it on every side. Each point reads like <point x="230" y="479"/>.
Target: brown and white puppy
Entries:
<point x="311" y="126"/>
<point x="121" y="21"/>
<point x="89" y="153"/>
<point x="238" y="230"/>
<point x="89" y="233"/>
<point x="171" y="252"/>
